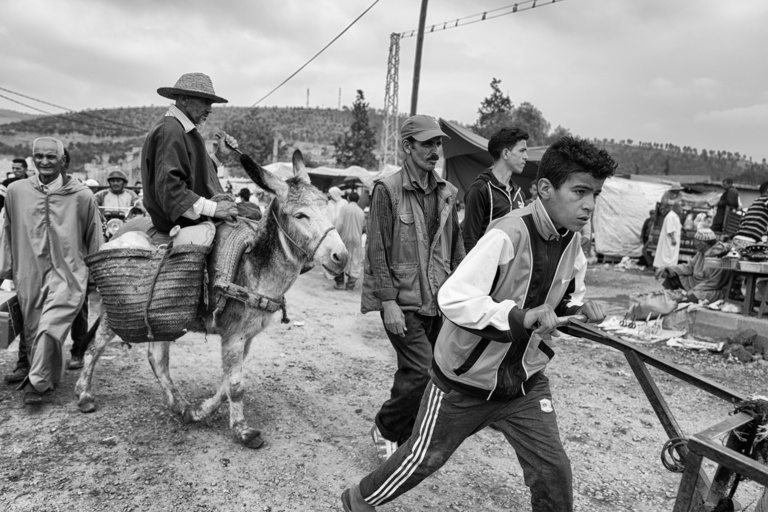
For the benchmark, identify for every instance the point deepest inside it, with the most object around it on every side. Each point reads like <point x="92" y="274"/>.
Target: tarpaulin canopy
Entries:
<point x="466" y="155"/>
<point x="326" y="177"/>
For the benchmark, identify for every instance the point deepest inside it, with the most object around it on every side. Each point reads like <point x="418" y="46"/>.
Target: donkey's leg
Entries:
<point x="85" y="400"/>
<point x="158" y="355"/>
<point x="233" y="351"/>
<point x="207" y="407"/>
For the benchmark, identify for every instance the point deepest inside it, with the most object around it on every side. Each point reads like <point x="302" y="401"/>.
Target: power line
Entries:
<point x="72" y="112"/>
<point x="68" y="116"/>
<point x="317" y="54"/>
<point x="482" y="16"/>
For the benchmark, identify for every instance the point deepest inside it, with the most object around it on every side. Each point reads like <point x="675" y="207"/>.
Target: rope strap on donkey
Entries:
<point x="250" y="299"/>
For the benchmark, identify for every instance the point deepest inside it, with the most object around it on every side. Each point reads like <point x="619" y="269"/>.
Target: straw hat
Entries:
<point x="192" y="84"/>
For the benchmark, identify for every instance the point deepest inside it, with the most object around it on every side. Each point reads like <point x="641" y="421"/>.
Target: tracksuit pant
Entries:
<point x="397" y="415"/>
<point x="446" y="418"/>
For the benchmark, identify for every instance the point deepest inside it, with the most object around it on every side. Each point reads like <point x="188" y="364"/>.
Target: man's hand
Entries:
<point x="226" y="145"/>
<point x="660" y="272"/>
<point x="394" y="319"/>
<point x="542" y="318"/>
<point x="225" y="210"/>
<point x="593" y="310"/>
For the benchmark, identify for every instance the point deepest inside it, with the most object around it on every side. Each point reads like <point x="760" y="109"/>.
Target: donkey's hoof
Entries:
<point x="250" y="438"/>
<point x="87" y="406"/>
<point x="188" y="415"/>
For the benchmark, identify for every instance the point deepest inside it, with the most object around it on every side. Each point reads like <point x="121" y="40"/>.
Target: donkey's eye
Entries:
<point x="300" y="216"/>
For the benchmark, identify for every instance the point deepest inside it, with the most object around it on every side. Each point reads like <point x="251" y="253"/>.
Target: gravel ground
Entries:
<point x="313" y="388"/>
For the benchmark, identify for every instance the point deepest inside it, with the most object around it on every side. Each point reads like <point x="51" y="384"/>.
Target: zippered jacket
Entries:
<point x="522" y="262"/>
<point x="487" y="200"/>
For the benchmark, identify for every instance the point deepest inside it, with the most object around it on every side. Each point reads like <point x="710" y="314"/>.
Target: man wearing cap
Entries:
<point x="701" y="283"/>
<point x="414" y="243"/>
<point x="116" y="196"/>
<point x="51" y="222"/>
<point x="178" y="174"/>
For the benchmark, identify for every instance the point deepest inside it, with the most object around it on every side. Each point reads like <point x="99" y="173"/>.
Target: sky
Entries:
<point x="687" y="72"/>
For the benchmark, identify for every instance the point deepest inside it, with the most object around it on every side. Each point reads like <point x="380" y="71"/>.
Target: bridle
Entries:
<point x="307" y="255"/>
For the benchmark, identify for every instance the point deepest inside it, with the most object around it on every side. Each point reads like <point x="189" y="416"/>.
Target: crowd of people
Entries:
<point x="699" y="281"/>
<point x="468" y="309"/>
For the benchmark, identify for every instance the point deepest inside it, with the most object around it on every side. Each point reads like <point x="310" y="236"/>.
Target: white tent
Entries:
<point x="621" y="209"/>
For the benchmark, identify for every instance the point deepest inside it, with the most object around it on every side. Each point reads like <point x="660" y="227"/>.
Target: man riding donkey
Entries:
<point x="178" y="174"/>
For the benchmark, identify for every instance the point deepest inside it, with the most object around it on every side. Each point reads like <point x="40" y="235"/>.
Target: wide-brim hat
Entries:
<point x="192" y="84"/>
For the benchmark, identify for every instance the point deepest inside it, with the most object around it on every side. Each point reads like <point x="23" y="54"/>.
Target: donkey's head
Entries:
<point x="299" y="214"/>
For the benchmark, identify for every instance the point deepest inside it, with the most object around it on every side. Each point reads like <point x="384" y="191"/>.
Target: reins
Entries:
<point x="307" y="255"/>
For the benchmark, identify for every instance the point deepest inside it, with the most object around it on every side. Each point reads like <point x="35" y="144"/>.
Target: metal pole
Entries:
<point x="417" y="63"/>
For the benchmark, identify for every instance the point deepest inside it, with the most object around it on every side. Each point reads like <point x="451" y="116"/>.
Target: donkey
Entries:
<point x="293" y="233"/>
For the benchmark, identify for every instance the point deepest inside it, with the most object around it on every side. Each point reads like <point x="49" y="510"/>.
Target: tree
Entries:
<point x="530" y="119"/>
<point x="254" y="138"/>
<point x="560" y="132"/>
<point x="356" y="146"/>
<point x="495" y="111"/>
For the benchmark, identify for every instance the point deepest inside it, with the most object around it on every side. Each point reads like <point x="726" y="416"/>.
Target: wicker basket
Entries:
<point x="150" y="295"/>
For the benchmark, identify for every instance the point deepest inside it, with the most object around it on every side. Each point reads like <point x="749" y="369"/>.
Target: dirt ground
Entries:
<point x="313" y="387"/>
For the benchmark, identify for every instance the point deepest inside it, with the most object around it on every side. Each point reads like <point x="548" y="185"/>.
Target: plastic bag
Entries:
<point x="656" y="304"/>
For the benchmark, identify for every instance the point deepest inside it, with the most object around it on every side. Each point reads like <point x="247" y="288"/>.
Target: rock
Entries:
<point x="761" y="345"/>
<point x="741" y="353"/>
<point x="745" y="337"/>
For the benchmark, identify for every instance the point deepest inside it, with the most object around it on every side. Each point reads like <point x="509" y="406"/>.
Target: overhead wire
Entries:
<point x="317" y="54"/>
<point x="69" y="111"/>
<point x="481" y="16"/>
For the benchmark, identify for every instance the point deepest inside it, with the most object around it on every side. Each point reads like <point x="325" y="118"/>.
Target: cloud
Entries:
<point x="750" y="117"/>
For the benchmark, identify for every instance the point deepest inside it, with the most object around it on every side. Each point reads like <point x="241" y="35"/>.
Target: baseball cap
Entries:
<point x="421" y="128"/>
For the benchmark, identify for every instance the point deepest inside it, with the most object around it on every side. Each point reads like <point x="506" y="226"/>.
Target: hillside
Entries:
<point x="105" y="135"/>
<point x="12" y="116"/>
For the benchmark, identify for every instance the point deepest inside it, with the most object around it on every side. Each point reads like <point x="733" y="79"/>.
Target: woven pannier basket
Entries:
<point x="150" y="295"/>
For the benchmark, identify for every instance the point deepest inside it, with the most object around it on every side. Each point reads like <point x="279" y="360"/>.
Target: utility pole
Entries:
<point x="417" y="61"/>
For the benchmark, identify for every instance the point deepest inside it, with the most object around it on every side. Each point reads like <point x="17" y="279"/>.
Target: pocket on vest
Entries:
<point x="407" y="228"/>
<point x="405" y="277"/>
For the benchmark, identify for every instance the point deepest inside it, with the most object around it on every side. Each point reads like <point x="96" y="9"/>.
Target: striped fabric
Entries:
<point x="754" y="224"/>
<point x="410" y="463"/>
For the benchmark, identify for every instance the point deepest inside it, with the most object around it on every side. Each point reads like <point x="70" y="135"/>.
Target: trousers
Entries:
<point x="446" y="418"/>
<point x="397" y="415"/>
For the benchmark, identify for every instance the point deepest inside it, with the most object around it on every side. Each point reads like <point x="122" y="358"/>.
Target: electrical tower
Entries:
<point x="390" y="134"/>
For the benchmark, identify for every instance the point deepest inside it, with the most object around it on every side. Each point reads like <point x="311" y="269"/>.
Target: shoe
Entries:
<point x="384" y="447"/>
<point x="33" y="396"/>
<point x="75" y="363"/>
<point x="345" y="501"/>
<point x="18" y="375"/>
<point x="338" y="286"/>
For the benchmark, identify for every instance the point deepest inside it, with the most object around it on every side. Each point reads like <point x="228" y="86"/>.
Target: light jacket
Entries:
<point x="521" y="262"/>
<point x="417" y="267"/>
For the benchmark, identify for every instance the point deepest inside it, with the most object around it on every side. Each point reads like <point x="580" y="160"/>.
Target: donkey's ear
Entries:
<point x="262" y="177"/>
<point x="299" y="169"/>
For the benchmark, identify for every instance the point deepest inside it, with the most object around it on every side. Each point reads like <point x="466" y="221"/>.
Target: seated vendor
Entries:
<point x="701" y="283"/>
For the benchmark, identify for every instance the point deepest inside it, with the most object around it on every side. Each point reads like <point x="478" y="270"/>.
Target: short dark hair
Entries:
<point x="763" y="187"/>
<point x="354" y="196"/>
<point x="245" y="193"/>
<point x="728" y="181"/>
<point x="570" y="155"/>
<point x="20" y="161"/>
<point x="505" y="138"/>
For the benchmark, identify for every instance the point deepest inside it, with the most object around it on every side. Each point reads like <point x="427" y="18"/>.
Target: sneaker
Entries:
<point x="384" y="447"/>
<point x="34" y="397"/>
<point x="339" y="286"/>
<point x="18" y="375"/>
<point x="75" y="363"/>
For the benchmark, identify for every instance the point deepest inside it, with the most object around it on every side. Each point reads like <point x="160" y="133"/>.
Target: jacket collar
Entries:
<point x="173" y="111"/>
<point x="543" y="222"/>
<point x="410" y="182"/>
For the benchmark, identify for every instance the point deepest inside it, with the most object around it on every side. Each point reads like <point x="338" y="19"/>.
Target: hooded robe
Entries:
<point x="45" y="237"/>
<point x="667" y="254"/>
